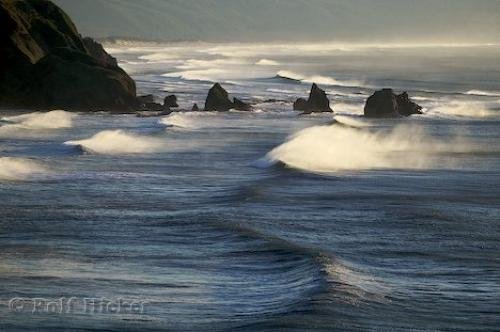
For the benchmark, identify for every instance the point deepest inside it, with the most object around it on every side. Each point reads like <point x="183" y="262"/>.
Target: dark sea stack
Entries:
<point x="241" y="105"/>
<point x="146" y="99"/>
<point x="406" y="106"/>
<point x="154" y="107"/>
<point x="147" y="103"/>
<point x="301" y="105"/>
<point x="386" y="104"/>
<point x="195" y="108"/>
<point x="218" y="99"/>
<point x="170" y="102"/>
<point x="318" y="102"/>
<point x="46" y="64"/>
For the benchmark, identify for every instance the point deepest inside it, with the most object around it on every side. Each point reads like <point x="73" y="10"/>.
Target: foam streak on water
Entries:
<point x="264" y="220"/>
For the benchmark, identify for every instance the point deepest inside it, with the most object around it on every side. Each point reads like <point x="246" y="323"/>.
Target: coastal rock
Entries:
<point x="386" y="104"/>
<point x="195" y="108"/>
<point x="301" y="105"/>
<point x="406" y="106"/>
<point x="46" y="64"/>
<point x="241" y="105"/>
<point x="218" y="99"/>
<point x="154" y="107"/>
<point x="98" y="53"/>
<point x="318" y="102"/>
<point x="146" y="99"/>
<point x="170" y="102"/>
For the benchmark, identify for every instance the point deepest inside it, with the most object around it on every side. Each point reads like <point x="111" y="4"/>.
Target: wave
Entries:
<point x="351" y="280"/>
<point x="16" y="169"/>
<point x="213" y="70"/>
<point x="348" y="109"/>
<point x="469" y="109"/>
<point x="323" y="80"/>
<point x="120" y="142"/>
<point x="352" y="121"/>
<point x="329" y="149"/>
<point x="483" y="93"/>
<point x="181" y="120"/>
<point x="198" y="120"/>
<point x="50" y="120"/>
<point x="267" y="62"/>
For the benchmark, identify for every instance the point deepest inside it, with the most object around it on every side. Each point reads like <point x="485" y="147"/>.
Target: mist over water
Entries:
<point x="17" y="169"/>
<point x="265" y="220"/>
<point x="338" y="148"/>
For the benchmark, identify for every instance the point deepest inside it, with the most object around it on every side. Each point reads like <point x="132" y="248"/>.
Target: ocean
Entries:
<point x="263" y="220"/>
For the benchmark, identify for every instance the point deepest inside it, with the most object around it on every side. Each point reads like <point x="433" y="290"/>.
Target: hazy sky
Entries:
<point x="452" y="21"/>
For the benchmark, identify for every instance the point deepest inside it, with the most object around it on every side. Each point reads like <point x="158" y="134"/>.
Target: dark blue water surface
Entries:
<point x="225" y="222"/>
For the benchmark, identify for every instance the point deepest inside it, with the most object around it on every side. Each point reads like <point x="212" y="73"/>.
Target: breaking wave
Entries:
<point x="50" y="120"/>
<point x="120" y="142"/>
<point x="180" y="120"/>
<point x="196" y="120"/>
<point x="470" y="109"/>
<point x="483" y="93"/>
<point x="352" y="121"/>
<point x="267" y="62"/>
<point x="334" y="148"/>
<point x="16" y="169"/>
<point x="323" y="80"/>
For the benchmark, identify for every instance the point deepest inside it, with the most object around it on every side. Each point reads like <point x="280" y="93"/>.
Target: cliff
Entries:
<point x="46" y="64"/>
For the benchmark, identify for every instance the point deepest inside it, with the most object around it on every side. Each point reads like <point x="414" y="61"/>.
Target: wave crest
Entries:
<point x="267" y="62"/>
<point x="469" y="109"/>
<point x="16" y="169"/>
<point x="50" y="120"/>
<point x="483" y="93"/>
<point x="323" y="80"/>
<point x="120" y="142"/>
<point x="327" y="149"/>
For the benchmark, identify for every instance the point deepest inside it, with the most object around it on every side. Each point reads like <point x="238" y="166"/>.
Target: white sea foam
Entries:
<point x="353" y="121"/>
<point x="267" y="62"/>
<point x="120" y="142"/>
<point x="469" y="109"/>
<point x="195" y="120"/>
<point x="50" y="120"/>
<point x="483" y="93"/>
<point x="181" y="120"/>
<point x="16" y="169"/>
<point x="348" y="109"/>
<point x="336" y="148"/>
<point x="323" y="80"/>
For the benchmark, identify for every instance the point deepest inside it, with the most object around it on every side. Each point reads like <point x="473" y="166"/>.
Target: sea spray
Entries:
<point x="120" y="142"/>
<point x="197" y="120"/>
<point x="318" y="79"/>
<point x="337" y="148"/>
<point x="463" y="109"/>
<point x="353" y="121"/>
<point x="16" y="169"/>
<point x="181" y="120"/>
<point x="56" y="119"/>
